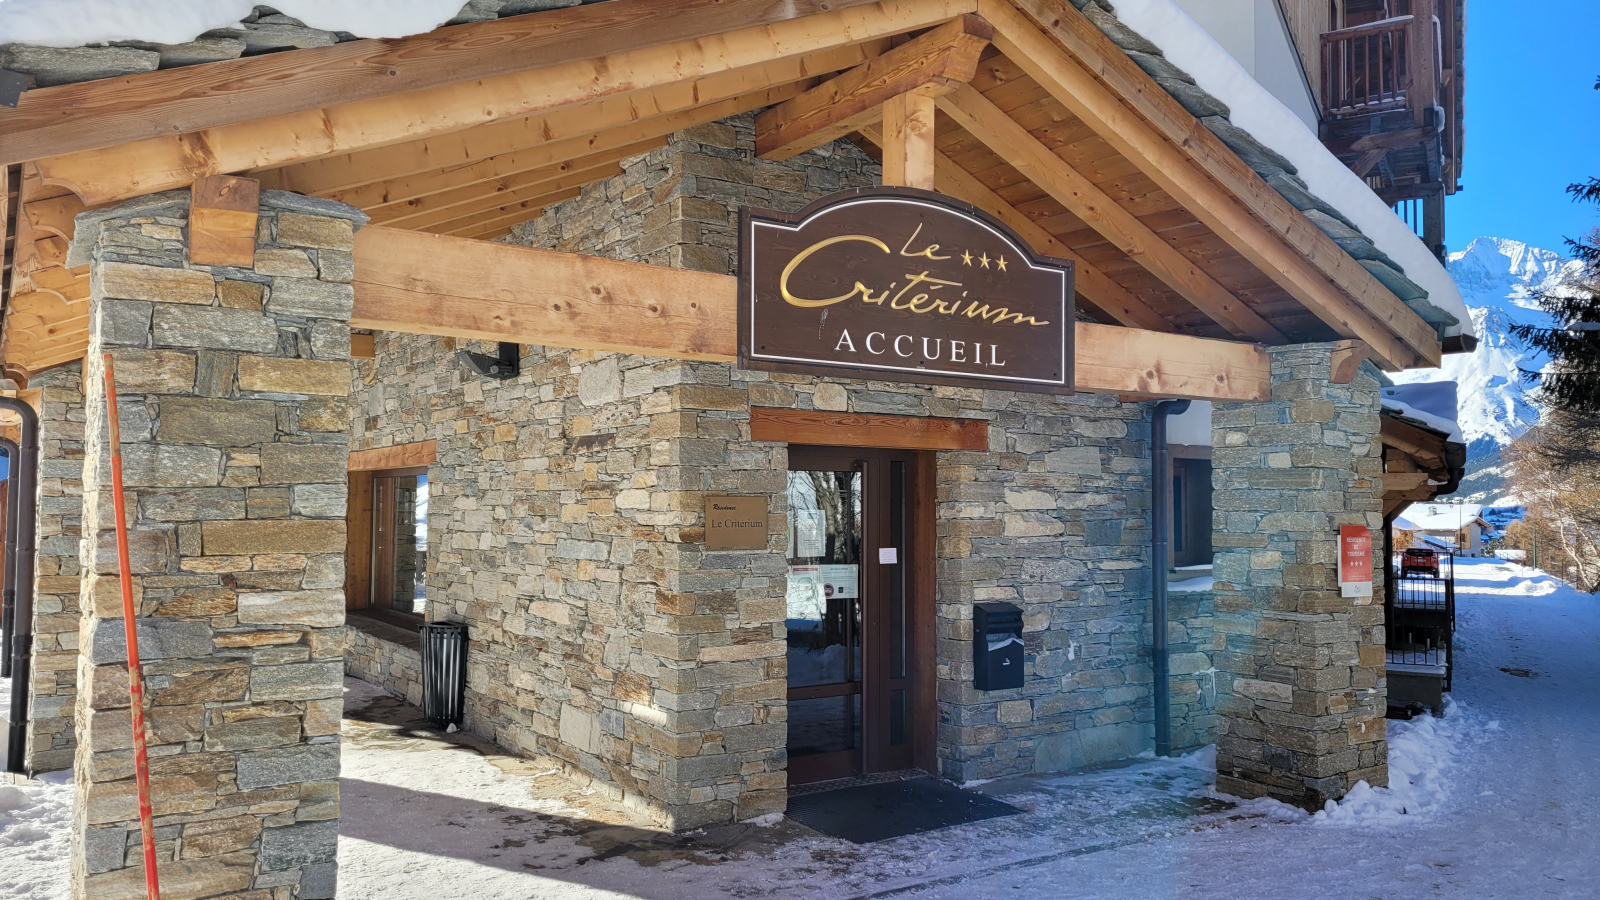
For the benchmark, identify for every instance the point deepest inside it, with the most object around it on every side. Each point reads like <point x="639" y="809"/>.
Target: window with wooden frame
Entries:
<point x="386" y="559"/>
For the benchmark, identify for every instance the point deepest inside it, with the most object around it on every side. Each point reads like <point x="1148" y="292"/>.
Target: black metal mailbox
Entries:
<point x="996" y="646"/>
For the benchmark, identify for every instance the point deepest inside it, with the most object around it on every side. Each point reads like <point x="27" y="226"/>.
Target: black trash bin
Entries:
<point x="444" y="672"/>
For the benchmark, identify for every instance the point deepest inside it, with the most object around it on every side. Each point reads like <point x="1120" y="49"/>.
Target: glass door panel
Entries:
<point x="824" y="606"/>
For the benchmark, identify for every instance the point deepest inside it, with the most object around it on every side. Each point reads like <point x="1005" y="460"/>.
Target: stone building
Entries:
<point x="479" y="364"/>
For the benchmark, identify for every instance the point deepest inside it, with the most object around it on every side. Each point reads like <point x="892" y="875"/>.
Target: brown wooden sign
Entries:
<point x="736" y="523"/>
<point x="898" y="284"/>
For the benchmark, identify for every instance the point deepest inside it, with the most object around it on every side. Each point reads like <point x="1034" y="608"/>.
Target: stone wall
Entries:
<point x="385" y="663"/>
<point x="1301" y="668"/>
<point x="566" y="527"/>
<point x="54" y="676"/>
<point x="232" y="387"/>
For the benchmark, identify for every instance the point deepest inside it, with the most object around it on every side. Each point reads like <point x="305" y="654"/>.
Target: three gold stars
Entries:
<point x="983" y="260"/>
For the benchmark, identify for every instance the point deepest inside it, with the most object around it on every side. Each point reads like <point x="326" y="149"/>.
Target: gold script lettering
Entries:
<point x="792" y="300"/>
<point x="926" y="251"/>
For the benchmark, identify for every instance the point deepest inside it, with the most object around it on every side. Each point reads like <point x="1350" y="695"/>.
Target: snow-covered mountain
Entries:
<point x="1498" y="278"/>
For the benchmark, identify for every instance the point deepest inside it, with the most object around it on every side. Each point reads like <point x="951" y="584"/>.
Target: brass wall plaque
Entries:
<point x="736" y="523"/>
<point x="898" y="284"/>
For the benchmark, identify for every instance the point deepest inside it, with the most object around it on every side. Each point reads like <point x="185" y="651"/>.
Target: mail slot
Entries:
<point x="996" y="646"/>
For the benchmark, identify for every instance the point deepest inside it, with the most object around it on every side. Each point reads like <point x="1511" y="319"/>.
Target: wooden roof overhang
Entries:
<point x="470" y="130"/>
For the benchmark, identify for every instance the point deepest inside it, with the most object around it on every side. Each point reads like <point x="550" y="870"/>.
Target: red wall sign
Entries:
<point x="1355" y="561"/>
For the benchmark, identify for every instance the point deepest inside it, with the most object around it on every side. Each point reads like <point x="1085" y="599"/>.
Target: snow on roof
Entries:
<point x="1401" y="523"/>
<point x="74" y="23"/>
<point x="1431" y="403"/>
<point x="1254" y="109"/>
<point x="1430" y="516"/>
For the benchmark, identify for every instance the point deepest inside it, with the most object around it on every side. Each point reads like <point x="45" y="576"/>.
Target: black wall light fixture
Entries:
<point x="506" y="364"/>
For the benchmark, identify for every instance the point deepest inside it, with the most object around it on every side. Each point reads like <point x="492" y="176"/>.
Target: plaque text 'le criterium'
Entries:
<point x="898" y="284"/>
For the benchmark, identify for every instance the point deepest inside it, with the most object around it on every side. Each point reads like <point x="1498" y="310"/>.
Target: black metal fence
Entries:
<point x="1420" y="618"/>
<point x="444" y="672"/>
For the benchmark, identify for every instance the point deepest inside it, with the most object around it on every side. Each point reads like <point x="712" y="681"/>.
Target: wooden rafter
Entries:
<point x="978" y="115"/>
<point x="429" y="284"/>
<point x="112" y="111"/>
<point x="507" y="212"/>
<point x="156" y="164"/>
<point x="416" y="168"/>
<point x="1147" y="126"/>
<point x="1101" y="294"/>
<point x="423" y="213"/>
<point x="929" y="65"/>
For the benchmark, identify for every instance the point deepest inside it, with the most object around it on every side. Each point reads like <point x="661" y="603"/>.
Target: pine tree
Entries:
<point x="1572" y="382"/>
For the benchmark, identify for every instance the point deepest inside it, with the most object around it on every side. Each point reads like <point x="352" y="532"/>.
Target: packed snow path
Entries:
<point x="1499" y="804"/>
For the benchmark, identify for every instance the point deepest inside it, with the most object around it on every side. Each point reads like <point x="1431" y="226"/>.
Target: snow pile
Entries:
<point x="73" y="23"/>
<point x="1432" y="403"/>
<point x="35" y="832"/>
<point x="1264" y="116"/>
<point x="1192" y="586"/>
<point x="1422" y="756"/>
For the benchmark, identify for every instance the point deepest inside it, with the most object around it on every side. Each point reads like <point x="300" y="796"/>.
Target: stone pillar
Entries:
<point x="1300" y="669"/>
<point x="235" y="490"/>
<point x="54" y="676"/>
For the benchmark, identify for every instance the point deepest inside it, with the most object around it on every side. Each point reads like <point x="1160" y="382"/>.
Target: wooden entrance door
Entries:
<point x="851" y="612"/>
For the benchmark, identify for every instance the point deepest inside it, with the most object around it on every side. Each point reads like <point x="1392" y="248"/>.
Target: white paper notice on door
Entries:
<point x="888" y="556"/>
<point x="809" y="533"/>
<point x="840" y="581"/>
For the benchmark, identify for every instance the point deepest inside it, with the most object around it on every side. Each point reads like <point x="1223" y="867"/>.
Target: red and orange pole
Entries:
<point x="141" y="759"/>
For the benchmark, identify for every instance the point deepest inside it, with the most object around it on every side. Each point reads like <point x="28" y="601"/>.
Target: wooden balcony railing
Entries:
<point x="1374" y="67"/>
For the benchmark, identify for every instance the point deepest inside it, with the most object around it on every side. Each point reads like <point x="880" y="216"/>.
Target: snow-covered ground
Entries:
<point x="1494" y="800"/>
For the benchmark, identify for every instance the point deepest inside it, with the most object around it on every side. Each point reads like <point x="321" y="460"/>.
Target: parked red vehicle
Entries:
<point x="1419" y="560"/>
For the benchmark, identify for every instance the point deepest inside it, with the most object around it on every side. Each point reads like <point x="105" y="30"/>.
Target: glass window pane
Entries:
<point x="409" y="534"/>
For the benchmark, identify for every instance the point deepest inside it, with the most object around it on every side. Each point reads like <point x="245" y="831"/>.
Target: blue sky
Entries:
<point x="1533" y="122"/>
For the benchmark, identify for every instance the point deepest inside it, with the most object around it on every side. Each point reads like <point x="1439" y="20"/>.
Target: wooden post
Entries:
<point x="908" y="151"/>
<point x="1424" y="90"/>
<point x="222" y="221"/>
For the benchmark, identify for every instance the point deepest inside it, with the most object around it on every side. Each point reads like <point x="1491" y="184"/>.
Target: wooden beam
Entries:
<point x="805" y="426"/>
<point x="908" y="149"/>
<point x="989" y="124"/>
<point x="56" y="215"/>
<point x="428" y="284"/>
<point x="1398" y="482"/>
<point x="929" y="65"/>
<point x="416" y="168"/>
<point x="1425" y="447"/>
<point x="1362" y="165"/>
<point x="107" y="112"/>
<point x="363" y="345"/>
<point x="1099" y="293"/>
<point x="1347" y="359"/>
<point x="399" y="456"/>
<point x="156" y="164"/>
<point x="222" y="221"/>
<point x="1389" y="140"/>
<point x="1146" y="125"/>
<point x="1113" y="360"/>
